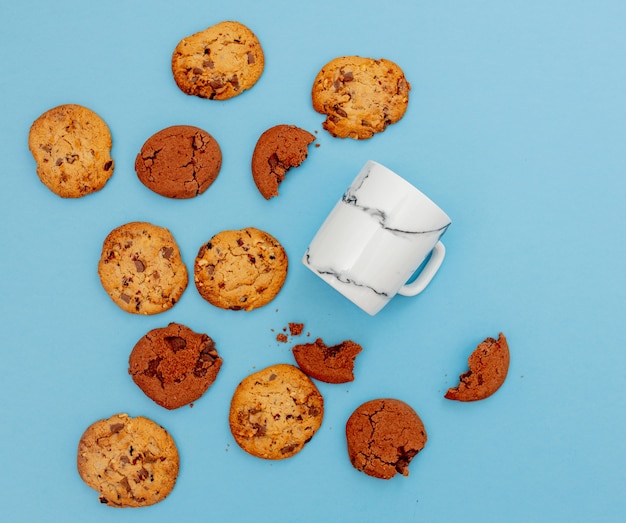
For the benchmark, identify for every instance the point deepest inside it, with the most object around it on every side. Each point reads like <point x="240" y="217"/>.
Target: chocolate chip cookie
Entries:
<point x="218" y="63"/>
<point x="240" y="269"/>
<point x="71" y="145"/>
<point x="174" y="365"/>
<point x="329" y="364"/>
<point x="277" y="150"/>
<point x="181" y="161"/>
<point x="360" y="96"/>
<point x="141" y="268"/>
<point x="130" y="462"/>
<point x="488" y="366"/>
<point x="274" y="412"/>
<point x="383" y="436"/>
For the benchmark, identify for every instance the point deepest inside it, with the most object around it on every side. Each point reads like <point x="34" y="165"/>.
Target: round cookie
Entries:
<point x="328" y="364"/>
<point x="360" y="96"/>
<point x="277" y="150"/>
<point x="240" y="269"/>
<point x="130" y="462"/>
<point x="274" y="412"/>
<point x="488" y="366"/>
<point x="72" y="148"/>
<point x="181" y="161"/>
<point x="174" y="365"/>
<point x="141" y="268"/>
<point x="383" y="436"/>
<point x="218" y="63"/>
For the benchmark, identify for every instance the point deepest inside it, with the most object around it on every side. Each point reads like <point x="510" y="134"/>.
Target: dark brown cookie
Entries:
<point x="130" y="462"/>
<point x="383" y="436"/>
<point x="174" y="365"/>
<point x="275" y="412"/>
<point x="329" y="364"/>
<point x="181" y="161"/>
<point x="277" y="150"/>
<point x="488" y="366"/>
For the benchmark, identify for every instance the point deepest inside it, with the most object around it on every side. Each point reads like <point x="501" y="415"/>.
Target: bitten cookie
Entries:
<point x="274" y="412"/>
<point x="72" y="148"/>
<point x="174" y="365"/>
<point x="219" y="62"/>
<point x="130" y="462"/>
<point x="240" y="269"/>
<point x="383" y="436"/>
<point x="360" y="96"/>
<point x="488" y="367"/>
<point x="329" y="364"/>
<point x="181" y="161"/>
<point x="277" y="150"/>
<point x="141" y="268"/>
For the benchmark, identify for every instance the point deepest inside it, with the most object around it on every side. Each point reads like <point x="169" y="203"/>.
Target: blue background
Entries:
<point x="516" y="127"/>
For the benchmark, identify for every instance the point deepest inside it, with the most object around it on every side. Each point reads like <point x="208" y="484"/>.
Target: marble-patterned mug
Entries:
<point x="376" y="237"/>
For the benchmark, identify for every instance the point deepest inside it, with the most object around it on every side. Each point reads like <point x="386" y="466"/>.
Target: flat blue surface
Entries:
<point x="516" y="127"/>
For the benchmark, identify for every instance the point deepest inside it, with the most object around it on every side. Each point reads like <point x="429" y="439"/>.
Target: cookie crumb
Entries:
<point x="295" y="329"/>
<point x="282" y="338"/>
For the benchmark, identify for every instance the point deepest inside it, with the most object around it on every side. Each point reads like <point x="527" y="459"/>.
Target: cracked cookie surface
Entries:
<point x="218" y="63"/>
<point x="130" y="462"/>
<point x="488" y="367"/>
<point x="277" y="150"/>
<point x="141" y="268"/>
<point x="360" y="96"/>
<point x="383" y="436"/>
<point x="174" y="365"/>
<point x="240" y="269"/>
<point x="181" y="161"/>
<point x="71" y="145"/>
<point x="333" y="364"/>
<point x="274" y="412"/>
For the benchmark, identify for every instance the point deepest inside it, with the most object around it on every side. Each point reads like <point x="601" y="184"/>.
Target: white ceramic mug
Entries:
<point x="376" y="237"/>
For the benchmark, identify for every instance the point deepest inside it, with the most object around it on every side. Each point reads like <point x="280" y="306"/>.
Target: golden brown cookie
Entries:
<point x="274" y="412"/>
<point x="488" y="367"/>
<point x="130" y="462"/>
<point x="174" y="365"/>
<point x="72" y="148"/>
<point x="240" y="269"/>
<point x="181" y="161"/>
<point x="383" y="436"/>
<point x="277" y="150"/>
<point x="218" y="63"/>
<point x="141" y="268"/>
<point x="360" y="96"/>
<point x="329" y="364"/>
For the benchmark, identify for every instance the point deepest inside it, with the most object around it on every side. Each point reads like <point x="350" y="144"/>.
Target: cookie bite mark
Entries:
<point x="277" y="150"/>
<point x="488" y="367"/>
<point x="333" y="364"/>
<point x="218" y="63"/>
<point x="383" y="437"/>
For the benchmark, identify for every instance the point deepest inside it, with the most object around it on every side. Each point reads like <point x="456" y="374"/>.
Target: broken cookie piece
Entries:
<point x="277" y="150"/>
<point x="488" y="367"/>
<point x="328" y="364"/>
<point x="383" y="436"/>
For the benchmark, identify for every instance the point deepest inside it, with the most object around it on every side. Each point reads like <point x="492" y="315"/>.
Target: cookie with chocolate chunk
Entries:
<point x="240" y="269"/>
<point x="130" y="462"/>
<point x="174" y="365"/>
<point x="275" y="412"/>
<point x="360" y="96"/>
<point x="383" y="436"/>
<point x="488" y="366"/>
<point x="181" y="161"/>
<point x="141" y="268"/>
<point x="219" y="62"/>
<point x="277" y="150"/>
<point x="333" y="364"/>
<point x="71" y="145"/>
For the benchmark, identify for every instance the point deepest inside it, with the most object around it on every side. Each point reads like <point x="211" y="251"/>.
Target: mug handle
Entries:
<point x="427" y="273"/>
